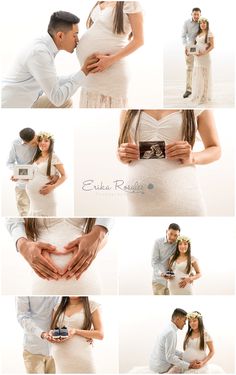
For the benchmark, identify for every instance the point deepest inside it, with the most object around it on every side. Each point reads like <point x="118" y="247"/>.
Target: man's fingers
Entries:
<point x="93" y="66"/>
<point x="45" y="271"/>
<point x="46" y="246"/>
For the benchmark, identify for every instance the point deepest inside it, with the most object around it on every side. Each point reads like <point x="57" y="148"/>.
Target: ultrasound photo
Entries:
<point x="152" y="150"/>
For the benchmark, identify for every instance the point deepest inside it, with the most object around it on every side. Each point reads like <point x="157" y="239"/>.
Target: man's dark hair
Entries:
<point x="179" y="313"/>
<point x="27" y="134"/>
<point x="61" y="21"/>
<point x="196" y="10"/>
<point x="174" y="227"/>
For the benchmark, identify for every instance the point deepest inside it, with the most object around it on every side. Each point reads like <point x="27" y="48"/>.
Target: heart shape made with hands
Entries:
<point x="60" y="259"/>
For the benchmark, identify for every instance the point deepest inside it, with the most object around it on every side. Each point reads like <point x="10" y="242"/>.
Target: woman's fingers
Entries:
<point x="82" y="263"/>
<point x="178" y="149"/>
<point x="40" y="274"/>
<point x="128" y="151"/>
<point x="72" y="245"/>
<point x="84" y="267"/>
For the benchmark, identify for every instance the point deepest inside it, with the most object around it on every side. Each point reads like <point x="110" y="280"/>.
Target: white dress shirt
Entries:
<point x="16" y="226"/>
<point x="34" y="73"/>
<point x="162" y="252"/>
<point x="189" y="32"/>
<point x="164" y="354"/>
<point x="20" y="153"/>
<point x="34" y="315"/>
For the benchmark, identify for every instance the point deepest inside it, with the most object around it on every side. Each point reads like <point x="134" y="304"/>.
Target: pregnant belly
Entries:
<point x="166" y="188"/>
<point x="91" y="42"/>
<point x="34" y="185"/>
<point x="59" y="235"/>
<point x="191" y="354"/>
<point x="74" y="355"/>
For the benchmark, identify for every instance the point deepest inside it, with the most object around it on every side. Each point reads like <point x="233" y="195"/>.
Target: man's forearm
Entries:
<point x="16" y="228"/>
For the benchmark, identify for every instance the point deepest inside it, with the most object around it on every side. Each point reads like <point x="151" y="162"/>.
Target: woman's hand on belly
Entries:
<point x="104" y="62"/>
<point x="184" y="281"/>
<point x="46" y="189"/>
<point x="180" y="150"/>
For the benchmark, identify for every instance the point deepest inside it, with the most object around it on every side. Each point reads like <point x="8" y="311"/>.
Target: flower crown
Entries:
<point x="202" y="19"/>
<point x="193" y="315"/>
<point x="46" y="135"/>
<point x="183" y="238"/>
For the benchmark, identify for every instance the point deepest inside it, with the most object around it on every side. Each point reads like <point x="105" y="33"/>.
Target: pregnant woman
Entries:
<point x="167" y="186"/>
<point x="40" y="189"/>
<point x="74" y="355"/>
<point x="184" y="266"/>
<point x="196" y="345"/>
<point x="59" y="232"/>
<point x="202" y="80"/>
<point x="115" y="30"/>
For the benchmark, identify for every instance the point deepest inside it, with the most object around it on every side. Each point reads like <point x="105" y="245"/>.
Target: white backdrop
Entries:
<point x="142" y="319"/>
<point x="222" y="56"/>
<point x="12" y="345"/>
<point x="96" y="140"/>
<point x="14" y="267"/>
<point x="213" y="243"/>
<point x="40" y="120"/>
<point x="30" y="20"/>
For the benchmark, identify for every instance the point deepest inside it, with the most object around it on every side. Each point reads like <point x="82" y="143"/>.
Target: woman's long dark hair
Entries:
<point x="50" y="153"/>
<point x="118" y="21"/>
<point x="32" y="229"/>
<point x="177" y="254"/>
<point x="62" y="308"/>
<point x="201" y="331"/>
<point x="207" y="32"/>
<point x="189" y="126"/>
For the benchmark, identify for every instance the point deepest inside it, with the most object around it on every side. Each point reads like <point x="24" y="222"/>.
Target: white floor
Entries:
<point x="223" y="96"/>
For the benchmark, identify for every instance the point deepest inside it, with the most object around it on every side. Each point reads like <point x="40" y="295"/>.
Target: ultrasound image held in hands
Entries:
<point x="152" y="150"/>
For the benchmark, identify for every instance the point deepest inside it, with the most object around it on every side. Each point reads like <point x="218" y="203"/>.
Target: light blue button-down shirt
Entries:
<point x="34" y="73"/>
<point x="34" y="315"/>
<point x="161" y="254"/>
<point x="189" y="32"/>
<point x="16" y="226"/>
<point x="20" y="153"/>
<point x="164" y="354"/>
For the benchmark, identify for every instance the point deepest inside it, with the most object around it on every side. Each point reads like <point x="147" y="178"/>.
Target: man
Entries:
<point x="163" y="249"/>
<point x="34" y="315"/>
<point x="164" y="355"/>
<point x="189" y="34"/>
<point x="34" y="71"/>
<point x="84" y="249"/>
<point x="22" y="152"/>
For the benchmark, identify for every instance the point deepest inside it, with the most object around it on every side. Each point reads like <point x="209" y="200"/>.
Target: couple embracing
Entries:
<point x="198" y="347"/>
